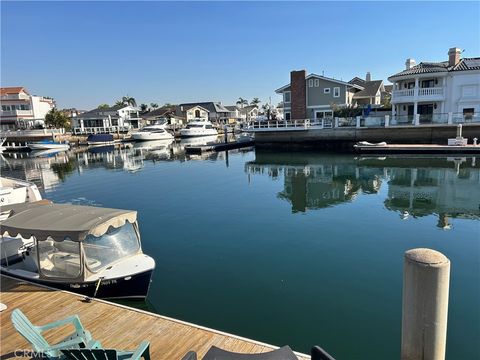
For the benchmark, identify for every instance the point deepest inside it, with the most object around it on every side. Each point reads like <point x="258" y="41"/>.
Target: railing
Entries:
<point x="403" y="92"/>
<point x="430" y="91"/>
<point x="100" y="129"/>
<point x="366" y="122"/>
<point x="27" y="133"/>
<point x="16" y="112"/>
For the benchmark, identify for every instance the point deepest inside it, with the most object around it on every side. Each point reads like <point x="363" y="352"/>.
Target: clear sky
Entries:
<point x="87" y="53"/>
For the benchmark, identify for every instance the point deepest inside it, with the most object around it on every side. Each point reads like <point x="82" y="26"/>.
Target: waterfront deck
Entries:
<point x="219" y="147"/>
<point x="116" y="326"/>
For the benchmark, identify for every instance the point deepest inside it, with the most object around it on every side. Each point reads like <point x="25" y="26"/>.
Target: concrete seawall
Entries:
<point x="344" y="138"/>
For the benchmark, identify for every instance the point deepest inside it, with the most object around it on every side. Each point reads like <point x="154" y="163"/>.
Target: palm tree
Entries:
<point x="242" y="102"/>
<point x="154" y="105"/>
<point x="255" y="101"/>
<point x="143" y="108"/>
<point x="103" y="106"/>
<point x="127" y="100"/>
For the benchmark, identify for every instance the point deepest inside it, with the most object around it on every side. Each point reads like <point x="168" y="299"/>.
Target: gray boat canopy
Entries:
<point x="61" y="221"/>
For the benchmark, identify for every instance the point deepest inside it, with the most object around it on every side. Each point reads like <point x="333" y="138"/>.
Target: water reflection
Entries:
<point x="416" y="186"/>
<point x="48" y="168"/>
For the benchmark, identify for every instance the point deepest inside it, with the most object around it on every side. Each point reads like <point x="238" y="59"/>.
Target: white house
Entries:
<point x="112" y="119"/>
<point x="22" y="110"/>
<point x="437" y="92"/>
<point x="195" y="113"/>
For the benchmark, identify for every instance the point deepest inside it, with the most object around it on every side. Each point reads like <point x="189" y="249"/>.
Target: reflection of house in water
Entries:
<point x="315" y="186"/>
<point x="442" y="191"/>
<point x="45" y="172"/>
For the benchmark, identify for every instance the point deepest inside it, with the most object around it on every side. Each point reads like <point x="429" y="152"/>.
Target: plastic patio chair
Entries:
<point x="109" y="354"/>
<point x="33" y="334"/>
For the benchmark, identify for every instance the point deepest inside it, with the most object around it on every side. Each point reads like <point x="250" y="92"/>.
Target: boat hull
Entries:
<point x="134" y="287"/>
<point x="185" y="134"/>
<point x="40" y="146"/>
<point x="151" y="136"/>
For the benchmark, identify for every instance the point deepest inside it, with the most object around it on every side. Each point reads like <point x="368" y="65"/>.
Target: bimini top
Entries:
<point x="61" y="221"/>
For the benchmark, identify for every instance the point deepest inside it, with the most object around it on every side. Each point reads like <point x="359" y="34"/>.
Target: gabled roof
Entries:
<point x="232" y="108"/>
<point x="210" y="106"/>
<point x="279" y="90"/>
<point x="162" y="111"/>
<point x="12" y="90"/>
<point x="357" y="81"/>
<point x="370" y="89"/>
<point x="465" y="64"/>
<point x="248" y="109"/>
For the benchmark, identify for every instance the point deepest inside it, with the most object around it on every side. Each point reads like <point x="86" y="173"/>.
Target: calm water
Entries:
<point x="287" y="248"/>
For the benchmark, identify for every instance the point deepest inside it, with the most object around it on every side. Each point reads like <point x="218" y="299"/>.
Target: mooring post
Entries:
<point x="426" y="278"/>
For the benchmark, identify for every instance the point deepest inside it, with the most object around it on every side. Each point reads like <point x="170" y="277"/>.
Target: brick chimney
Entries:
<point x="368" y="77"/>
<point x="298" y="86"/>
<point x="409" y="63"/>
<point x="454" y="56"/>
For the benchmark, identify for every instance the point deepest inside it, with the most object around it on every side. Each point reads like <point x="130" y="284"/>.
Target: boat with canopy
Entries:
<point x="89" y="250"/>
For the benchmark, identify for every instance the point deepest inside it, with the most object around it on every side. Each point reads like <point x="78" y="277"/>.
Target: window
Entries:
<point x="286" y="96"/>
<point x="326" y="91"/>
<point x="468" y="113"/>
<point x="310" y="83"/>
<point x="427" y="83"/>
<point x="336" y="92"/>
<point x="287" y="116"/>
<point x="197" y="113"/>
<point x="114" y="245"/>
<point x="59" y="259"/>
<point x="317" y="83"/>
<point x="410" y="85"/>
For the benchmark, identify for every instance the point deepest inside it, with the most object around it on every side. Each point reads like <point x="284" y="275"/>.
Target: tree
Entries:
<point x="103" y="106"/>
<point x="242" y="102"/>
<point x="255" y="101"/>
<point x="57" y="119"/>
<point x="143" y="108"/>
<point x="127" y="100"/>
<point x="154" y="105"/>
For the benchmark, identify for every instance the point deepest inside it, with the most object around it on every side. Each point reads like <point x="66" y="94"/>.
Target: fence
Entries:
<point x="100" y="130"/>
<point x="367" y="122"/>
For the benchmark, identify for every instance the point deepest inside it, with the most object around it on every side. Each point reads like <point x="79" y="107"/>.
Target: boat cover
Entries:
<point x="63" y="221"/>
<point x="100" y="138"/>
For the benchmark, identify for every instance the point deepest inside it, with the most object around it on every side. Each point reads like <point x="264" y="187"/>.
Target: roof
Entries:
<point x="12" y="90"/>
<point x="96" y="112"/>
<point x="370" y="89"/>
<point x="388" y="88"/>
<point x="279" y="90"/>
<point x="163" y="111"/>
<point x="357" y="81"/>
<point x="247" y="109"/>
<point x="232" y="108"/>
<point x="209" y="105"/>
<point x="61" y="221"/>
<point x="466" y="64"/>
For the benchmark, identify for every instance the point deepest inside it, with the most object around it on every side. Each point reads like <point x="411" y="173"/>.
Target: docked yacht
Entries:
<point x="48" y="145"/>
<point x="14" y="191"/>
<point x="153" y="132"/>
<point x="89" y="250"/>
<point x="198" y="128"/>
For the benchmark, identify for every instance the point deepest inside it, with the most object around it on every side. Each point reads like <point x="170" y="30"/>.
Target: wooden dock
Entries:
<point x="115" y="326"/>
<point x="218" y="147"/>
<point x="417" y="149"/>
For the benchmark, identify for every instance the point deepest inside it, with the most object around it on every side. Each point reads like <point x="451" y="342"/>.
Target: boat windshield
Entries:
<point x="59" y="259"/>
<point x="191" y="126"/>
<point x="114" y="245"/>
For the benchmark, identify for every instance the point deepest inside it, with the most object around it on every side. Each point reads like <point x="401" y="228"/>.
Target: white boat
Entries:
<point x="14" y="191"/>
<point x="48" y="144"/>
<point x="198" y="128"/>
<point x="90" y="250"/>
<point x="153" y="132"/>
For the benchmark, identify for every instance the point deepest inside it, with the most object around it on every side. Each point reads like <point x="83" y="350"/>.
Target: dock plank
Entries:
<point x="116" y="326"/>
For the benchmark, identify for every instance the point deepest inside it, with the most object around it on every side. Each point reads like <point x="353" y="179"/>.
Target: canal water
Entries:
<point x="286" y="247"/>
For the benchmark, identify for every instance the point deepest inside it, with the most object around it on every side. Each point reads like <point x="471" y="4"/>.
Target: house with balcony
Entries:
<point x="372" y="94"/>
<point x="217" y="112"/>
<point x="437" y="92"/>
<point x="21" y="110"/>
<point x="315" y="97"/>
<point x="118" y="118"/>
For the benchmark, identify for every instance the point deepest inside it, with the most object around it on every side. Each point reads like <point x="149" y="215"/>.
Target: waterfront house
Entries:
<point x="437" y="91"/>
<point x="314" y="96"/>
<point x="249" y="112"/>
<point x="171" y="113"/>
<point x="216" y="111"/>
<point x="116" y="118"/>
<point x="20" y="109"/>
<point x="195" y="112"/>
<point x="372" y="93"/>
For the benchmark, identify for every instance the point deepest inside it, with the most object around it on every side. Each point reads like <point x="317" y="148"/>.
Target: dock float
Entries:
<point x="417" y="149"/>
<point x="114" y="325"/>
<point x="218" y="147"/>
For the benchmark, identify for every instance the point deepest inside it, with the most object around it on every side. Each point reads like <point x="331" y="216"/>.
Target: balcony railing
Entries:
<point x="418" y="92"/>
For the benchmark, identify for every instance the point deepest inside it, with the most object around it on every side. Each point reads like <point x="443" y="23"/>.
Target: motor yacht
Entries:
<point x="13" y="191"/>
<point x="198" y="128"/>
<point x="153" y="132"/>
<point x="90" y="250"/>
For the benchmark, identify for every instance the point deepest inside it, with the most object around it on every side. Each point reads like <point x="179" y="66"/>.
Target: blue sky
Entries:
<point x="87" y="53"/>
